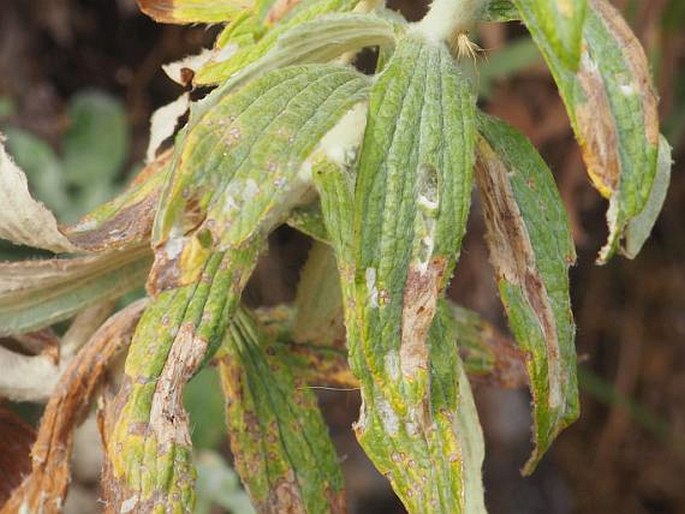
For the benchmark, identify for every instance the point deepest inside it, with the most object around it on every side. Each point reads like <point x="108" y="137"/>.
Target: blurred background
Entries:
<point x="79" y="80"/>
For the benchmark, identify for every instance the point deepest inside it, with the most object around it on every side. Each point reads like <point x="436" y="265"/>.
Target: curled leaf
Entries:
<point x="24" y="220"/>
<point x="45" y="488"/>
<point x="531" y="249"/>
<point x="612" y="106"/>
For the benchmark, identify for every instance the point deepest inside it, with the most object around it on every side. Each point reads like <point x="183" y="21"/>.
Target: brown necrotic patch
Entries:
<point x="512" y="254"/>
<point x="419" y="304"/>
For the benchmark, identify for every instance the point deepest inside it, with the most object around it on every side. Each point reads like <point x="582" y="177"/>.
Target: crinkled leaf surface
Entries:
<point x="613" y="110"/>
<point x="396" y="242"/>
<point x="220" y="69"/>
<point x="238" y="172"/>
<point x="242" y="167"/>
<point x="320" y="40"/>
<point x="281" y="445"/>
<point x="531" y="249"/>
<point x="557" y="25"/>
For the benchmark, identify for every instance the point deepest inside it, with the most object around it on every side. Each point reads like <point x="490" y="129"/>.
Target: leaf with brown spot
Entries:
<point x="45" y="488"/>
<point x="125" y="221"/>
<point x="531" y="249"/>
<point x="396" y="242"/>
<point x="192" y="11"/>
<point x="612" y="106"/>
<point x="281" y="445"/>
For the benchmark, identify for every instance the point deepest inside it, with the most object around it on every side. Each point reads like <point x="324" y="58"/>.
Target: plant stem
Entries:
<point x="447" y="18"/>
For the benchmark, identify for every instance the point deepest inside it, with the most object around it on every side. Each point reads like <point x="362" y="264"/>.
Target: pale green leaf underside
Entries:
<point x="640" y="226"/>
<point x="36" y="294"/>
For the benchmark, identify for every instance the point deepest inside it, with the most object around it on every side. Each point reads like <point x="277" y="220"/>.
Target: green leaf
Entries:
<point x="242" y="167"/>
<point x="96" y="144"/>
<point x="221" y="69"/>
<point x="613" y="110"/>
<point x="531" y="249"/>
<point x="556" y="26"/>
<point x="396" y="242"/>
<point x="321" y="40"/>
<point x="639" y="228"/>
<point x="281" y="445"/>
<point x="37" y="293"/>
<point x="149" y="452"/>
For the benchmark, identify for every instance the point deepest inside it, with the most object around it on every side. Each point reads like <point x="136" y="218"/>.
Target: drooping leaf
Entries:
<point x="45" y="488"/>
<point x="192" y="11"/>
<point x="37" y="293"/>
<point x="149" y="451"/>
<point x="396" y="242"/>
<point x="242" y="167"/>
<point x="239" y="170"/>
<point x="557" y="26"/>
<point x="281" y="445"/>
<point x="613" y="110"/>
<point x="24" y="220"/>
<point x="531" y="249"/>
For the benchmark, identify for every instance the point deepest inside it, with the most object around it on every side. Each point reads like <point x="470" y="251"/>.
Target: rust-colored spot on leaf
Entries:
<point x="636" y="60"/>
<point x="599" y="140"/>
<point x="512" y="254"/>
<point x="420" y="300"/>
